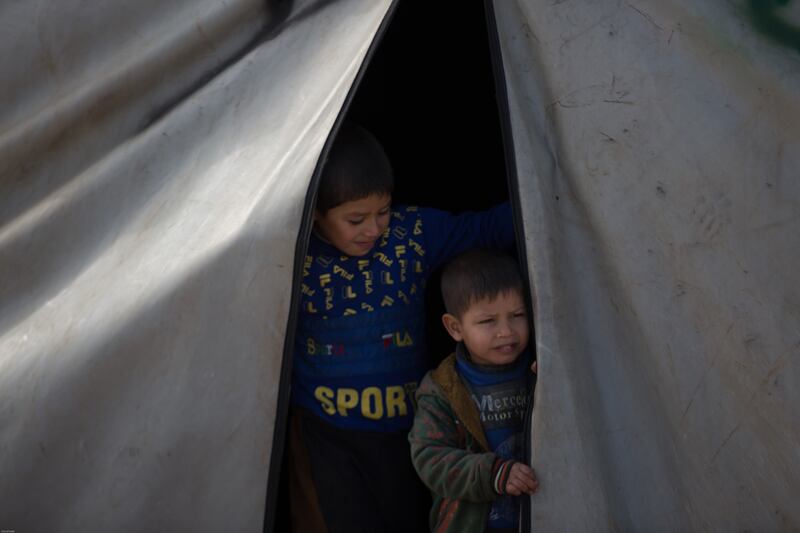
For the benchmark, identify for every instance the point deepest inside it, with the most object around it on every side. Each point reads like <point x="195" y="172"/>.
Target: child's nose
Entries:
<point x="373" y="229"/>
<point x="504" y="329"/>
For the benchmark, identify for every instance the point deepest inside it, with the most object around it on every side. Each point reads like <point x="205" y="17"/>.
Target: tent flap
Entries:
<point x="155" y="167"/>
<point x="657" y="147"/>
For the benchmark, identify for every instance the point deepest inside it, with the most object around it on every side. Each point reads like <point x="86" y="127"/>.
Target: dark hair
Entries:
<point x="356" y="167"/>
<point x="475" y="275"/>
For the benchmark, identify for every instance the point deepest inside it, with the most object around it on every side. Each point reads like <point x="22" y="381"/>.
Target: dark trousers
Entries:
<point x="364" y="481"/>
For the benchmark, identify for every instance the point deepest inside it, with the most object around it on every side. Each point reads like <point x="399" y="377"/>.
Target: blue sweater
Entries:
<point x="359" y="347"/>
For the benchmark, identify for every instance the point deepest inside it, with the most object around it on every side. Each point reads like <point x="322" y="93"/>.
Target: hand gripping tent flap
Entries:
<point x="158" y="164"/>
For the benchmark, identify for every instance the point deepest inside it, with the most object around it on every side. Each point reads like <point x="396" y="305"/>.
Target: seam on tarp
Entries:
<point x="281" y="419"/>
<point x="501" y="95"/>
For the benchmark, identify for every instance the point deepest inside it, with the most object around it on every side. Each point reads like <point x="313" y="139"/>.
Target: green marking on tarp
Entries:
<point x="768" y="19"/>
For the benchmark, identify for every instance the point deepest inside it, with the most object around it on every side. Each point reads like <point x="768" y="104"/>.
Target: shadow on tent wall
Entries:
<point x="428" y="95"/>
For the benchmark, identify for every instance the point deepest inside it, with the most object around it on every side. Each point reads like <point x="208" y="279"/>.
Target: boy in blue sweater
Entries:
<point x="359" y="345"/>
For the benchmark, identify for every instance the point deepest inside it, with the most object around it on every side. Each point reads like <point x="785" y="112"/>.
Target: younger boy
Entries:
<point x="467" y="439"/>
<point x="359" y="344"/>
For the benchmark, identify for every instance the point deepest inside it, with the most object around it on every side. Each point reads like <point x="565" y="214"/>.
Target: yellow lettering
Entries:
<point x="342" y="272"/>
<point x="324" y="396"/>
<point x="375" y="402"/>
<point x="346" y="399"/>
<point x="311" y="347"/>
<point x="324" y="279"/>
<point x="417" y="266"/>
<point x="349" y="312"/>
<point x="310" y="307"/>
<point x="369" y="396"/>
<point x="347" y="292"/>
<point x="405" y="341"/>
<point x="386" y="278"/>
<point x="387" y="301"/>
<point x="363" y="263"/>
<point x="383" y="258"/>
<point x="399" y="250"/>
<point x="418" y="227"/>
<point x="367" y="307"/>
<point x="395" y="402"/>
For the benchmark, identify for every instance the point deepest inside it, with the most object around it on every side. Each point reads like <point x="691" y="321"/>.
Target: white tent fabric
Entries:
<point x="658" y="150"/>
<point x="155" y="161"/>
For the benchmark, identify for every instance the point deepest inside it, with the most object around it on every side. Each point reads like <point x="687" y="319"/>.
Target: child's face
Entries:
<point x="354" y="227"/>
<point x="495" y="331"/>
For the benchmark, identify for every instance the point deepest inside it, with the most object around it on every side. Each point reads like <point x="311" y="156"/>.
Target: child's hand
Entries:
<point x="521" y="480"/>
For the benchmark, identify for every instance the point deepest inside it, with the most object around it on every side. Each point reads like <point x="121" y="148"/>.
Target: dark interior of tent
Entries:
<point x="428" y="95"/>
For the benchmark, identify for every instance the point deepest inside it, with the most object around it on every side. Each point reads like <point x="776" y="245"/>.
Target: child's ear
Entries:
<point x="453" y="326"/>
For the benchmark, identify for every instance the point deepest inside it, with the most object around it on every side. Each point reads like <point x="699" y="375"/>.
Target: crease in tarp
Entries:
<point x="108" y="107"/>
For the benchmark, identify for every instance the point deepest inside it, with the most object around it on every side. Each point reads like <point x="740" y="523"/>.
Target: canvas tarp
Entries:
<point x="658" y="150"/>
<point x="155" y="162"/>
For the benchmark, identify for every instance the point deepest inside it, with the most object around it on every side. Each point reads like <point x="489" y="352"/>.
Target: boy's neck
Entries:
<point x="319" y="236"/>
<point x="329" y="247"/>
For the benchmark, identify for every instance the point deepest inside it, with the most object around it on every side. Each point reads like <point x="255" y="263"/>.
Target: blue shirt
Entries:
<point x="501" y="394"/>
<point x="359" y="346"/>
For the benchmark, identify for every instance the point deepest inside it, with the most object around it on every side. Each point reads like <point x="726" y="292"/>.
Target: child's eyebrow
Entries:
<point x="484" y="314"/>
<point x="365" y="213"/>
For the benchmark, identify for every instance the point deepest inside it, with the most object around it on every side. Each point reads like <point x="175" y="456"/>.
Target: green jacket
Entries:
<point x="449" y="452"/>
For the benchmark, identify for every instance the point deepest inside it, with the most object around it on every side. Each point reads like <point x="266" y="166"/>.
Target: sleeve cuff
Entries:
<point x="500" y="472"/>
